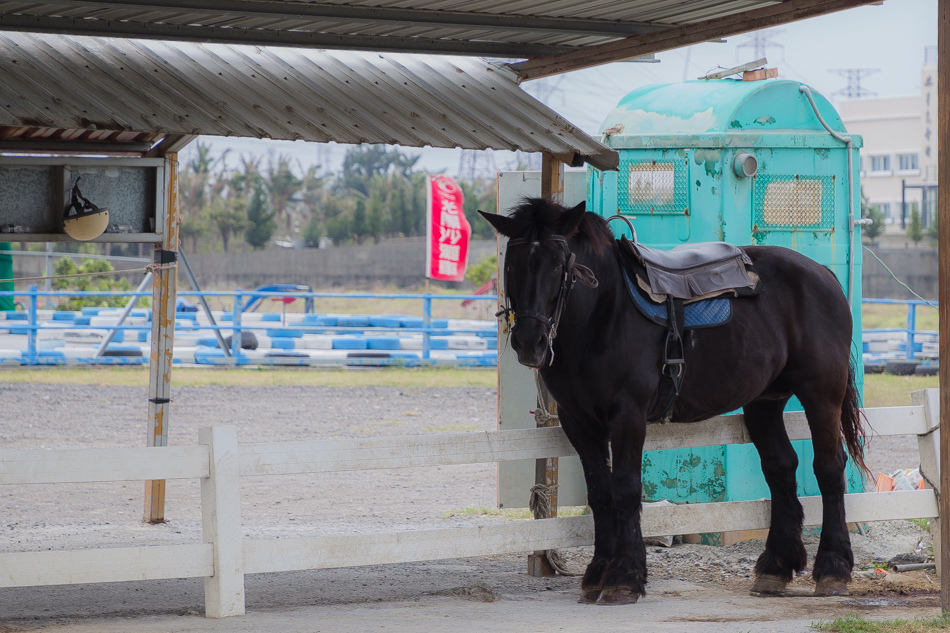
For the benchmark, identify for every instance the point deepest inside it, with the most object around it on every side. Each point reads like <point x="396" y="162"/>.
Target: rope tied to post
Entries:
<point x="540" y="504"/>
<point x="150" y="268"/>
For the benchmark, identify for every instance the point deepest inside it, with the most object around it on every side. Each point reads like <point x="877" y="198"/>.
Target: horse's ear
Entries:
<point x="502" y="224"/>
<point x="569" y="220"/>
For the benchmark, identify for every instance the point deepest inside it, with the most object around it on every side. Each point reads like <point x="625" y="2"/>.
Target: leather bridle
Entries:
<point x="572" y="272"/>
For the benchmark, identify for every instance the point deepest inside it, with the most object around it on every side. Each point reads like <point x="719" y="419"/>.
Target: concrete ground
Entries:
<point x="459" y="596"/>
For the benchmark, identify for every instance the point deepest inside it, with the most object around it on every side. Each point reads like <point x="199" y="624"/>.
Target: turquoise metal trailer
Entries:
<point x="745" y="162"/>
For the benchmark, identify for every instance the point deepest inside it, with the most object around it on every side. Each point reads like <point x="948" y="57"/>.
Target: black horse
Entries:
<point x="604" y="369"/>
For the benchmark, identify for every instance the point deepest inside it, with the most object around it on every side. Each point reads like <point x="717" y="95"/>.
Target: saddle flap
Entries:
<point x="693" y="270"/>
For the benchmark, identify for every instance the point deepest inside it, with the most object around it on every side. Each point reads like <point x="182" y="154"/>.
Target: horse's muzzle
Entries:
<point x="530" y="342"/>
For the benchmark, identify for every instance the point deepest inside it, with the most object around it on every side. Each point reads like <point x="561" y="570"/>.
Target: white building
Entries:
<point x="900" y="146"/>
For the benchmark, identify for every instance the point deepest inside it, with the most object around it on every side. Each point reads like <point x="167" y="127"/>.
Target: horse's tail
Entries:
<point x="851" y="423"/>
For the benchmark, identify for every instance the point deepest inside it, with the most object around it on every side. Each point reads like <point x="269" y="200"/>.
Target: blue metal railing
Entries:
<point x="238" y="299"/>
<point x="910" y="331"/>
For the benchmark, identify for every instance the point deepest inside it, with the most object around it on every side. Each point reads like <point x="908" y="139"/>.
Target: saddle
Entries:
<point x="690" y="286"/>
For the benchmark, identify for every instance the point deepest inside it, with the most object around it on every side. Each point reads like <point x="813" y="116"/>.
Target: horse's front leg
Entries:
<point x="625" y="578"/>
<point x="589" y="439"/>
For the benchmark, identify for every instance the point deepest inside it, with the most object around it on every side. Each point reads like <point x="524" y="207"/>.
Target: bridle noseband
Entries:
<point x="572" y="272"/>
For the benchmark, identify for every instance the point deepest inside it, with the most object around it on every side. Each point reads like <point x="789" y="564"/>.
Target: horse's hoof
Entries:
<point x="618" y="595"/>
<point x="590" y="595"/>
<point x="769" y="584"/>
<point x="831" y="587"/>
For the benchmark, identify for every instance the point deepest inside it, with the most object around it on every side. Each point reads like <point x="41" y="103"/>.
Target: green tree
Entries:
<point x="364" y="162"/>
<point x="915" y="227"/>
<point x="194" y="195"/>
<point x="312" y="234"/>
<point x="260" y="219"/>
<point x="282" y="187"/>
<point x="479" y="195"/>
<point x="480" y="273"/>
<point x="873" y="230"/>
<point x="359" y="225"/>
<point x="66" y="266"/>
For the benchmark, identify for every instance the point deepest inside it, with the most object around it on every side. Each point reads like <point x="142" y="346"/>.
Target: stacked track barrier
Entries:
<point x="41" y="337"/>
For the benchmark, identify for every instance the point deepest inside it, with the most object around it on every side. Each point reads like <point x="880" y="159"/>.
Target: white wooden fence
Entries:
<point x="224" y="556"/>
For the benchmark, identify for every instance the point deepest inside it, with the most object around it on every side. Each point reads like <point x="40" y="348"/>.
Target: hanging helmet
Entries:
<point x="83" y="220"/>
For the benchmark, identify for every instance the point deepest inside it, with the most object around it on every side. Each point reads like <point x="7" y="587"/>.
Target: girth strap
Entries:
<point x="674" y="363"/>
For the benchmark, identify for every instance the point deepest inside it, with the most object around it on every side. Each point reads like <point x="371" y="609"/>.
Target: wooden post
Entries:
<point x="943" y="246"/>
<point x="221" y="523"/>
<point x="164" y="288"/>
<point x="545" y="472"/>
<point x="552" y="178"/>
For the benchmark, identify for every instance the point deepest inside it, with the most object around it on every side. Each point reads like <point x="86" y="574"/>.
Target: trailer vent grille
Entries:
<point x="656" y="186"/>
<point x="794" y="202"/>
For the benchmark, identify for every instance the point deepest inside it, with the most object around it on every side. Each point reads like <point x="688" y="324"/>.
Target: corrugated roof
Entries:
<point x="586" y="32"/>
<point x="143" y="87"/>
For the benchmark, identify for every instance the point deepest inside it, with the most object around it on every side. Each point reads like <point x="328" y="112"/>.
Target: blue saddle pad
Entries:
<point x="705" y="313"/>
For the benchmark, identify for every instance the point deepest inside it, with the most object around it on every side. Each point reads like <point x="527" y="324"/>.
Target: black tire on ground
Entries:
<point x="927" y="370"/>
<point x="873" y="368"/>
<point x="131" y="353"/>
<point x="901" y="367"/>
<point x="248" y="340"/>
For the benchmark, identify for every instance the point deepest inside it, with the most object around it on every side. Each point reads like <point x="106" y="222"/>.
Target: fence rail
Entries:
<point x="225" y="557"/>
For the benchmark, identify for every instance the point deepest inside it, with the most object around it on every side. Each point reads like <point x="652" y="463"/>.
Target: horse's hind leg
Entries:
<point x="784" y="551"/>
<point x="834" y="560"/>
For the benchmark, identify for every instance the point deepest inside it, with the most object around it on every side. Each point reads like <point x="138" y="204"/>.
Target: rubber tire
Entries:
<point x="248" y="340"/>
<point x="926" y="370"/>
<point x="901" y="367"/>
<point x="873" y="368"/>
<point x="129" y="353"/>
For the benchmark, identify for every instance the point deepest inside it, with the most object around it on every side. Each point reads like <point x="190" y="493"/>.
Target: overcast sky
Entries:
<point x="890" y="37"/>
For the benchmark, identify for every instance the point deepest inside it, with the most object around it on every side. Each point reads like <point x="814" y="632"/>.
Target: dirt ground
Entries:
<point x="688" y="582"/>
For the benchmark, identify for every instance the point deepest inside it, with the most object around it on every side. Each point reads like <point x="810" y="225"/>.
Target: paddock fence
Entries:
<point x="218" y="461"/>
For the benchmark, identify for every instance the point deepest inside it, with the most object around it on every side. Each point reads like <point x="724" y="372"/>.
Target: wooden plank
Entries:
<point x="75" y="465"/>
<point x="753" y="515"/>
<point x="943" y="263"/>
<point x="26" y="569"/>
<point x="523" y="536"/>
<point x="885" y="421"/>
<point x="539" y="66"/>
<point x="283" y="458"/>
<point x="221" y="523"/>
<point x="376" y="549"/>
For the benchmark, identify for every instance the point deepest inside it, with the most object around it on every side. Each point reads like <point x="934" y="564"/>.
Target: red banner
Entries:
<point x="448" y="230"/>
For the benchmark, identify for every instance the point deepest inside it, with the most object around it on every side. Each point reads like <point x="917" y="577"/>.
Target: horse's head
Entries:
<point x="539" y="273"/>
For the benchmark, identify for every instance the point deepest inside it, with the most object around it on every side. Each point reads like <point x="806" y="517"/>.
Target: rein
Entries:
<point x="573" y="272"/>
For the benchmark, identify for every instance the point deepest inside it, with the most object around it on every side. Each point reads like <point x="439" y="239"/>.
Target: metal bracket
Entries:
<point x="165" y="257"/>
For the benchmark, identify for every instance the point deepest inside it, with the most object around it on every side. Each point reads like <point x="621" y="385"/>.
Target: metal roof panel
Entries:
<point x="147" y="86"/>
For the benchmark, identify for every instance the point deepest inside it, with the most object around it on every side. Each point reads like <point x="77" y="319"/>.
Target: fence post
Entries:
<point x="911" y="328"/>
<point x="427" y="323"/>
<point x="236" y="336"/>
<point x="928" y="445"/>
<point x="33" y="357"/>
<point x="221" y="522"/>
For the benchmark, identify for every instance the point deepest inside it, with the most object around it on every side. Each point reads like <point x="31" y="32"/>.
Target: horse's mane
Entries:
<point x="536" y="219"/>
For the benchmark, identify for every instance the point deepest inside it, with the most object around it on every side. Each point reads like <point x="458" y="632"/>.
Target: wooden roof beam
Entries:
<point x="676" y="37"/>
<point x="256" y="9"/>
